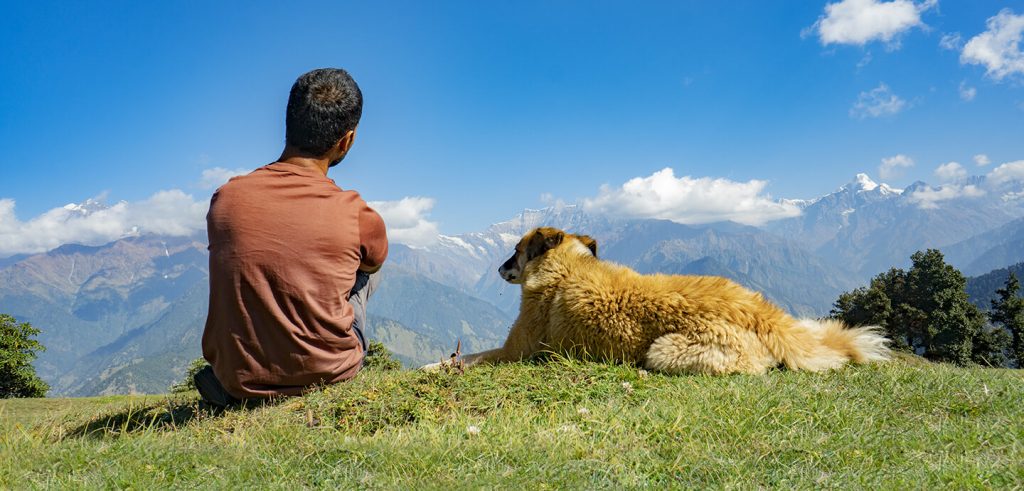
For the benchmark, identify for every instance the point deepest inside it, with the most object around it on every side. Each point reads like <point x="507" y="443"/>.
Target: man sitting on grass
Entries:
<point x="292" y="258"/>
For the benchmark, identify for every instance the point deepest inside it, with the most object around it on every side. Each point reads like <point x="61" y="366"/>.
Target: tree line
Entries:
<point x="925" y="310"/>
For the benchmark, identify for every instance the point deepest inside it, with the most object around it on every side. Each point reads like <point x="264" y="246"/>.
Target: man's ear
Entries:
<point x="590" y="243"/>
<point x="345" y="143"/>
<point x="543" y="240"/>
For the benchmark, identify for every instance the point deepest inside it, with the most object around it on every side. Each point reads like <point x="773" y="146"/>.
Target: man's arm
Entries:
<point x="373" y="240"/>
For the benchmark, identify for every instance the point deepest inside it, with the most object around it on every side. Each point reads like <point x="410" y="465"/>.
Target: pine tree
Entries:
<point x="925" y="310"/>
<point x="874" y="306"/>
<point x="1008" y="311"/>
<point x="17" y="350"/>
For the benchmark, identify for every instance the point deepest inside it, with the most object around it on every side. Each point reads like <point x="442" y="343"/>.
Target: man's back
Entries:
<point x="285" y="245"/>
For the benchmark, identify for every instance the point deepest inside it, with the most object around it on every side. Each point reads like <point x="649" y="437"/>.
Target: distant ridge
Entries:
<point x="124" y="316"/>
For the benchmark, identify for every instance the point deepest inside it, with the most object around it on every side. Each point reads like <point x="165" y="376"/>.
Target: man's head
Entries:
<point x="323" y="110"/>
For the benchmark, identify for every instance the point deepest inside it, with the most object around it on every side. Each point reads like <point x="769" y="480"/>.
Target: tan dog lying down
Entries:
<point x="575" y="304"/>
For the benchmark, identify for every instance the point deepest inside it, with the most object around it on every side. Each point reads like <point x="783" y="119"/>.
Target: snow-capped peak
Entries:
<point x="87" y="207"/>
<point x="799" y="203"/>
<point x="886" y="189"/>
<point x="863" y="182"/>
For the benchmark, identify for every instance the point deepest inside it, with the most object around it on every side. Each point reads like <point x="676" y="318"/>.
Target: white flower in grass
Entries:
<point x="643" y="373"/>
<point x="582" y="411"/>
<point x="472" y="430"/>
<point x="628" y="386"/>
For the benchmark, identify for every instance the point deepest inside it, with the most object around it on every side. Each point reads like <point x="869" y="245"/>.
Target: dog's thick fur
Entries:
<point x="575" y="304"/>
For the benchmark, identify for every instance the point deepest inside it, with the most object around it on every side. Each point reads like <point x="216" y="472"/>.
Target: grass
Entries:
<point x="555" y="424"/>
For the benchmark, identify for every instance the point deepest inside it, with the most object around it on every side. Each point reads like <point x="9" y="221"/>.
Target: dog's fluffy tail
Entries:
<point x="808" y="344"/>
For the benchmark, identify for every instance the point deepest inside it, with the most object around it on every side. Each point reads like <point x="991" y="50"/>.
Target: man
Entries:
<point x="292" y="258"/>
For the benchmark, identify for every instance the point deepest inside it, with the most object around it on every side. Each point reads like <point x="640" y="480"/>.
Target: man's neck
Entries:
<point x="290" y="156"/>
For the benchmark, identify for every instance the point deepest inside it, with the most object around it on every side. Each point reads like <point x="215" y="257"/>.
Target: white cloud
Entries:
<point x="998" y="48"/>
<point x="982" y="160"/>
<point x="928" y="198"/>
<point x="171" y="212"/>
<point x="690" y="200"/>
<point x="167" y="212"/>
<point x="407" y="221"/>
<point x="878" y="102"/>
<point x="864" y="61"/>
<point x="967" y="92"/>
<point x="891" y="166"/>
<point x="951" y="41"/>
<point x="859" y="22"/>
<point x="217" y="176"/>
<point x="1013" y="196"/>
<point x="1010" y="171"/>
<point x="950" y="172"/>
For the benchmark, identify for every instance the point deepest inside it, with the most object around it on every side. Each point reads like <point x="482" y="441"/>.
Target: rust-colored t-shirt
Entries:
<point x="285" y="245"/>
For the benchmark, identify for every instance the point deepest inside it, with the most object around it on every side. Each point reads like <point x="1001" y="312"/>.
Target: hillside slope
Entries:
<point x="557" y="424"/>
<point x="982" y="289"/>
<point x="993" y="249"/>
<point x="408" y="313"/>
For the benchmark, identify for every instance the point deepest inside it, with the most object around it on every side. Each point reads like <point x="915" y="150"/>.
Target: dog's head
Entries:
<point x="537" y="242"/>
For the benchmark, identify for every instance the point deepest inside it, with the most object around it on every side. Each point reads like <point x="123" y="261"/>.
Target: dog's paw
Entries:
<point x="433" y="367"/>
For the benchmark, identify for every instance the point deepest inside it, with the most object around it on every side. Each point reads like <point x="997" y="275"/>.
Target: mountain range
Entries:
<point x="127" y="316"/>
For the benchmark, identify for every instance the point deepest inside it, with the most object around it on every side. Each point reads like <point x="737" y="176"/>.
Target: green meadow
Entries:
<point x="550" y="424"/>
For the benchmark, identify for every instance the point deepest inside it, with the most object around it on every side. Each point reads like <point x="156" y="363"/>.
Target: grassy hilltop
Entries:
<point x="556" y="424"/>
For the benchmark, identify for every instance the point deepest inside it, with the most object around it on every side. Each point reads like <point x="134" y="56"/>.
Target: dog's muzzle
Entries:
<point x="506" y="274"/>
<point x="508" y="270"/>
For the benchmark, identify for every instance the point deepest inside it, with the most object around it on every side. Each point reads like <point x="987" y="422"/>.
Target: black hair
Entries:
<point x="323" y="106"/>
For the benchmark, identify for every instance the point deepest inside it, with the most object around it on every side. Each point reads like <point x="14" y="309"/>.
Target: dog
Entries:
<point x="578" y="305"/>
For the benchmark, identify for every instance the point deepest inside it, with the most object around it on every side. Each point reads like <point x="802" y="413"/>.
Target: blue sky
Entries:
<point x="482" y="108"/>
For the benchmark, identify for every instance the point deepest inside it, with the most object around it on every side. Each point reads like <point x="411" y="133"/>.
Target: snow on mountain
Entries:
<point x="88" y="207"/>
<point x="861" y="183"/>
<point x="462" y="260"/>
<point x="869" y="227"/>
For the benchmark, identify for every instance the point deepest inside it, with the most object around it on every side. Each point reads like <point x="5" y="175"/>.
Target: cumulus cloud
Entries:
<point x="982" y="160"/>
<point x="1010" y="171"/>
<point x="690" y="200"/>
<point x="951" y="171"/>
<point x="998" y="48"/>
<point x="891" y="166"/>
<point x="407" y="220"/>
<point x="217" y="176"/>
<point x="928" y="198"/>
<point x="859" y="22"/>
<point x="169" y="212"/>
<point x="876" y="103"/>
<point x="967" y="92"/>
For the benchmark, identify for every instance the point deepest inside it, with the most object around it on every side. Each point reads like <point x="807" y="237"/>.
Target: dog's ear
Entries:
<point x="590" y="243"/>
<point x="543" y="239"/>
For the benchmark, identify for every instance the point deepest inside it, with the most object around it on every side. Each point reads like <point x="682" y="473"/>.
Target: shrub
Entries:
<point x="17" y="350"/>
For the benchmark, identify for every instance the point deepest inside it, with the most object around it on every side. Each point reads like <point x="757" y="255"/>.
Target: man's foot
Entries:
<point x="211" y="389"/>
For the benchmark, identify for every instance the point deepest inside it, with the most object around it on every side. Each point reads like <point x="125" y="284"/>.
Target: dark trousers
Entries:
<point x="366" y="284"/>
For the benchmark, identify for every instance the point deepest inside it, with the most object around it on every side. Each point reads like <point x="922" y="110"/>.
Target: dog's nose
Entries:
<point x="506" y="274"/>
